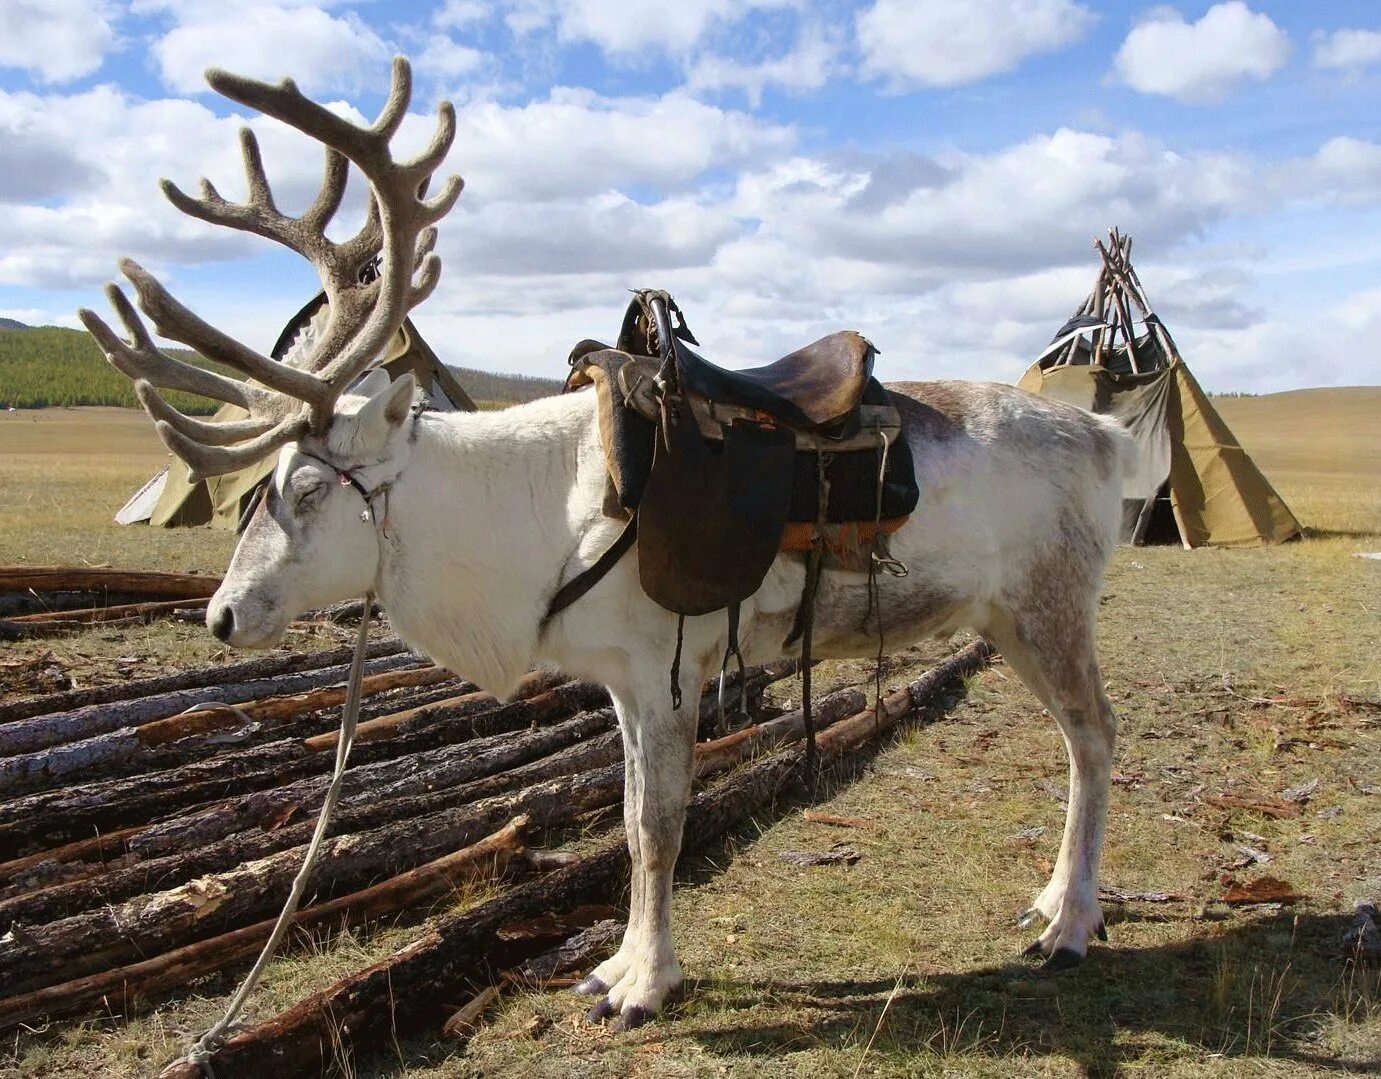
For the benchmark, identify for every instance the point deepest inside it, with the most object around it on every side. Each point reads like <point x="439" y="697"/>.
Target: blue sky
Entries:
<point x="930" y="173"/>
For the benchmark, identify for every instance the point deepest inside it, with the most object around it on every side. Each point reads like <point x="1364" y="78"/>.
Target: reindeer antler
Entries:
<point x="363" y="315"/>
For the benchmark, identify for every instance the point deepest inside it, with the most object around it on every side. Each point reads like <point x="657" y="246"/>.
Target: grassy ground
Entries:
<point x="1234" y="672"/>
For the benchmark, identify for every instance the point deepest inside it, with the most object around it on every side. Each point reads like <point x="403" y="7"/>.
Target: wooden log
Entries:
<point x="11" y="630"/>
<point x="88" y="578"/>
<point x="174" y="852"/>
<point x="91" y="615"/>
<point x="32" y="890"/>
<point x="463" y="1022"/>
<point x="118" y="934"/>
<point x="415" y="889"/>
<point x="405" y="992"/>
<point x="196" y="678"/>
<point x="149" y="745"/>
<point x="573" y="954"/>
<point x="43" y="732"/>
<point x="400" y="722"/>
<point x="110" y="935"/>
<point x="73" y="812"/>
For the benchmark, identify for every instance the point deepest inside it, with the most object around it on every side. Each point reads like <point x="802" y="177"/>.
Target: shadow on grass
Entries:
<point x="1263" y="989"/>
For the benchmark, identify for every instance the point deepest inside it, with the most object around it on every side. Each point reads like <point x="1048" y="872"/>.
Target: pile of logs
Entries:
<point x="149" y="832"/>
<point x="46" y="601"/>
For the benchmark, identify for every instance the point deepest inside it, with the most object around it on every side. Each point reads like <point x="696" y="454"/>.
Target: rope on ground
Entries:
<point x="203" y="1050"/>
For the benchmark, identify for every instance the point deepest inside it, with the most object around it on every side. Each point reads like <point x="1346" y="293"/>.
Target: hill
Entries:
<point x="504" y="389"/>
<point x="50" y="365"/>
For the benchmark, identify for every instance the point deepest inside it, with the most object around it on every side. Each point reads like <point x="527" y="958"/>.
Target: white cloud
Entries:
<point x="943" y="43"/>
<point x="577" y="143"/>
<point x="1201" y="62"/>
<point x="1349" y="50"/>
<point x="806" y="67"/>
<point x="324" y="52"/>
<point x="458" y="13"/>
<point x="1345" y="170"/>
<point x="627" y="27"/>
<point x="1032" y="204"/>
<point x="446" y="58"/>
<point x="57" y="40"/>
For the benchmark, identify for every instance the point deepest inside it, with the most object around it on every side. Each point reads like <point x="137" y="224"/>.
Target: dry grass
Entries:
<point x="1233" y="672"/>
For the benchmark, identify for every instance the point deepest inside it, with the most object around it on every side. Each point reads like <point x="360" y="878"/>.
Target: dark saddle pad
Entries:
<point x="716" y="477"/>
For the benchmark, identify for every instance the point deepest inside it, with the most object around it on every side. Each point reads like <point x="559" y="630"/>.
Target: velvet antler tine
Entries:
<point x="363" y="315"/>
<point x="426" y="243"/>
<point x="434" y="209"/>
<point x="256" y="179"/>
<point x="143" y="360"/>
<point x="203" y="460"/>
<point x="427" y="162"/>
<point x="425" y="279"/>
<point x="173" y="320"/>
<point x="333" y="182"/>
<point x="399" y="97"/>
<point x="217" y="433"/>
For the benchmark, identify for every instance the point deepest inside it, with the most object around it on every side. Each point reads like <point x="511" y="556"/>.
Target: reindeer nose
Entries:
<point x="223" y="623"/>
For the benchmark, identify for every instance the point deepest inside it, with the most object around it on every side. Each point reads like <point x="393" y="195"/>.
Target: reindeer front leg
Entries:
<point x="658" y="746"/>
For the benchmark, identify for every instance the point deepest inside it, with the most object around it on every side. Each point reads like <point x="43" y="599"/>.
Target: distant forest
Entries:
<point x="50" y="365"/>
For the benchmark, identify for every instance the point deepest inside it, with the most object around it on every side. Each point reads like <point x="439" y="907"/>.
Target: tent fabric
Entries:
<point x="1193" y="478"/>
<point x="1217" y="494"/>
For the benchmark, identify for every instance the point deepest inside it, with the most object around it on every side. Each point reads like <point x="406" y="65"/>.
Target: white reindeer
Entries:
<point x="478" y="519"/>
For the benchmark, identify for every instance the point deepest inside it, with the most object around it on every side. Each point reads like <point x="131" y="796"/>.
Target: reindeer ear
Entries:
<point x="370" y="384"/>
<point x="386" y="410"/>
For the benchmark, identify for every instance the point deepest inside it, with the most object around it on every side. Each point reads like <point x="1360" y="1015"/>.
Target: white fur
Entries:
<point x="489" y="513"/>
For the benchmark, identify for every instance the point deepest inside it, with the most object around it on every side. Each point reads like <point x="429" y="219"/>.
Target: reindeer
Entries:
<point x="466" y="524"/>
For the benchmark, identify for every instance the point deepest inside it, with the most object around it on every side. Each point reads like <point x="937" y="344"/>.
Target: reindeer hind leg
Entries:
<point x="1052" y="651"/>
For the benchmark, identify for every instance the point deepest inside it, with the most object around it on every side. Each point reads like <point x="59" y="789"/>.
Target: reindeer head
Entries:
<point x="312" y="539"/>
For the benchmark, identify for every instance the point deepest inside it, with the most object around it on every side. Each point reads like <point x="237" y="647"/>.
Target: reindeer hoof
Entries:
<point x="591" y="987"/>
<point x="1062" y="959"/>
<point x="632" y="1017"/>
<point x="1033" y="949"/>
<point x="600" y="1012"/>
<point x="1028" y="917"/>
<point x="1102" y="932"/>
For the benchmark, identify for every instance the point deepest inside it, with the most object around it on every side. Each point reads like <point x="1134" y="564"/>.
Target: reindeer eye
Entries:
<point x="311" y="496"/>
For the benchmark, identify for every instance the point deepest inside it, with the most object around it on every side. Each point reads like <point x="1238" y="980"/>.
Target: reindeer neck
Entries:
<point x="481" y="524"/>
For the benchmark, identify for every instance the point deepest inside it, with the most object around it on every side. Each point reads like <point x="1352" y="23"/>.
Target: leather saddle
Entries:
<point x="717" y="465"/>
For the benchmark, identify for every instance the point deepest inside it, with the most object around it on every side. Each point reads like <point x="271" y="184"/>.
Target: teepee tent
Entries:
<point x="1195" y="484"/>
<point x="170" y="500"/>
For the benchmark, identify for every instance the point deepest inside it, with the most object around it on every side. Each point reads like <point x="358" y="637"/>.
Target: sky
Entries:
<point x="930" y="173"/>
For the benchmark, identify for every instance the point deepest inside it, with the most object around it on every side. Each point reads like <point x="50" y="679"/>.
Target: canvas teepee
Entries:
<point x="169" y="500"/>
<point x="1196" y="485"/>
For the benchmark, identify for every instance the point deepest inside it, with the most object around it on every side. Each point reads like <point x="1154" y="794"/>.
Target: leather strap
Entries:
<point x="578" y="585"/>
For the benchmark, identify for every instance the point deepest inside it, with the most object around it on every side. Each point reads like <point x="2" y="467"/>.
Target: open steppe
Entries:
<point x="1240" y="673"/>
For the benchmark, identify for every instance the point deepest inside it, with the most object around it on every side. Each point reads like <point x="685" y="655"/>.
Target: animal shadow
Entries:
<point x="1262" y="989"/>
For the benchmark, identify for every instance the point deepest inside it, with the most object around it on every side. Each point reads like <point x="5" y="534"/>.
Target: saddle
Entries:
<point x="718" y="471"/>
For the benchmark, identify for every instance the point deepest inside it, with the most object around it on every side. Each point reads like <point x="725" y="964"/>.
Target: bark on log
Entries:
<point x="60" y="816"/>
<point x="118" y="934"/>
<point x="405" y="992"/>
<point x="196" y="678"/>
<point x="451" y="785"/>
<point x="173" y="853"/>
<point x="113" y="934"/>
<point x="85" y="578"/>
<point x="42" y="732"/>
<point x="110" y="612"/>
<point x="484" y="860"/>
<point x="35" y="891"/>
<point x="198" y="733"/>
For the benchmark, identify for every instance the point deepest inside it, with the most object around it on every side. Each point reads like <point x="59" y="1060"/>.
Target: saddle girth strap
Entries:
<point x="582" y="582"/>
